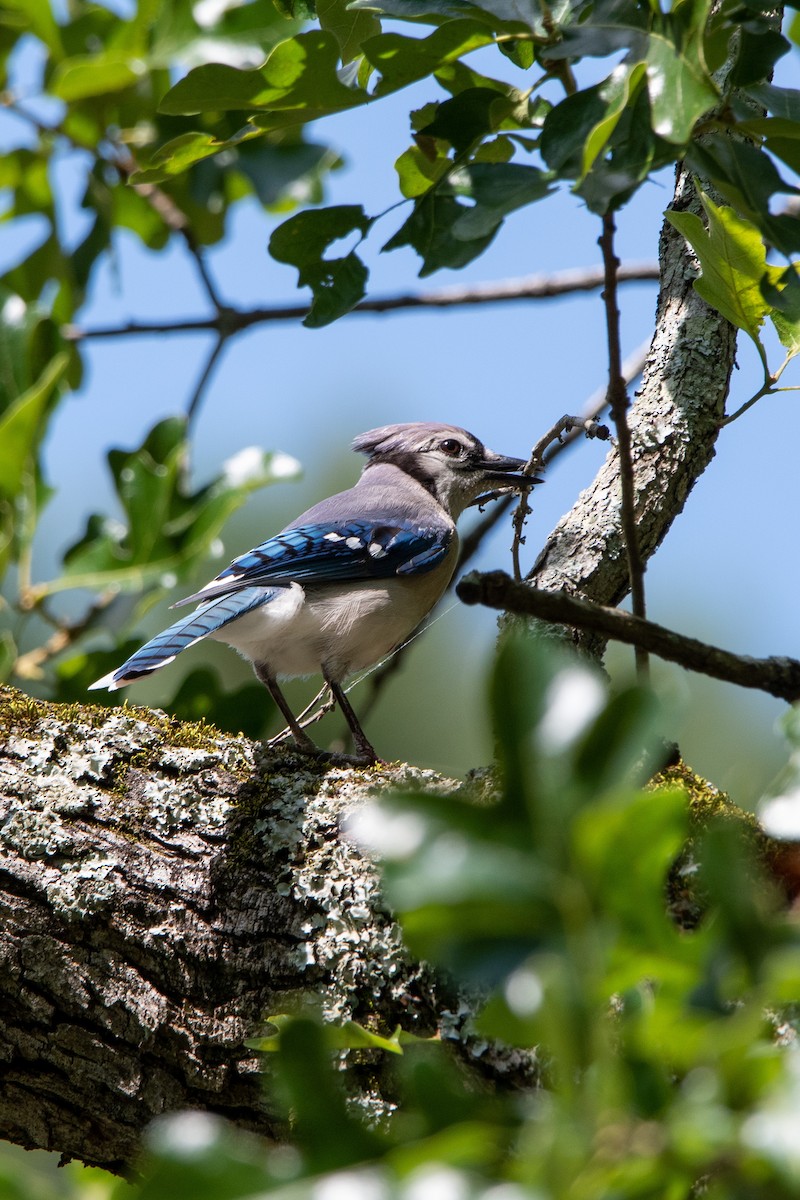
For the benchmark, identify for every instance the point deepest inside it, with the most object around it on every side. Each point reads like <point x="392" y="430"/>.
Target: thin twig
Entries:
<point x="767" y="389"/>
<point x="203" y="271"/>
<point x="29" y="665"/>
<point x="779" y="676"/>
<point x="308" y="716"/>
<point x="233" y="320"/>
<point x="536" y="463"/>
<point x="618" y="404"/>
<point x="205" y="375"/>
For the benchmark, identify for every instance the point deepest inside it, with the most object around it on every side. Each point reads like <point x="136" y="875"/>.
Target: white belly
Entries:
<point x="335" y="628"/>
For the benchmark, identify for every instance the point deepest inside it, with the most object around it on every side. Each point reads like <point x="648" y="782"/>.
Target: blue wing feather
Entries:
<point x="189" y="629"/>
<point x="348" y="550"/>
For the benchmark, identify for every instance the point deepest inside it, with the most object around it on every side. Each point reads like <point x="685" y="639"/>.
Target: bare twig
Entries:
<point x="233" y="320"/>
<point x="779" y="676"/>
<point x="205" y="375"/>
<point x="29" y="665"/>
<point x="536" y="463"/>
<point x="618" y="403"/>
<point x="767" y="388"/>
<point x="308" y="716"/>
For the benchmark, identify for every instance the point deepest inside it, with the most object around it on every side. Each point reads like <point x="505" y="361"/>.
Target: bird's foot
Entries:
<point x="364" y="757"/>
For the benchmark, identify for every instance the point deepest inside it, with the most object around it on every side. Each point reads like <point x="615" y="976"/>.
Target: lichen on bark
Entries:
<point x="163" y="889"/>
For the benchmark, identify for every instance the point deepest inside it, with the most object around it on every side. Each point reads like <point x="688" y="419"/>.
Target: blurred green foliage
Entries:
<point x="667" y="1056"/>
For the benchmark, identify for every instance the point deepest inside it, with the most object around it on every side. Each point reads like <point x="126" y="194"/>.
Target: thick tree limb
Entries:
<point x="778" y="676"/>
<point x="163" y="888"/>
<point x="674" y="423"/>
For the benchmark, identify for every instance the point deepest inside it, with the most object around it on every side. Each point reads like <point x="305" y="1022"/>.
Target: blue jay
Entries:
<point x="349" y="580"/>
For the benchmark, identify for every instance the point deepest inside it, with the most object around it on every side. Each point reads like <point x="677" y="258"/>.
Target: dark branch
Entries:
<point x="231" y="320"/>
<point x="205" y="375"/>
<point x="778" y="676"/>
<point x="618" y="404"/>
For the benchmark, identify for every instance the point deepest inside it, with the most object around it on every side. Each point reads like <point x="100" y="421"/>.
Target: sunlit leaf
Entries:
<point x="733" y="261"/>
<point x="403" y="60"/>
<point x="680" y="89"/>
<point x="299" y="79"/>
<point x="349" y="28"/>
<point x="348" y="1035"/>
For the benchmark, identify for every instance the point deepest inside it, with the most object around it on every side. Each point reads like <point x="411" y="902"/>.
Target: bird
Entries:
<point x="350" y="579"/>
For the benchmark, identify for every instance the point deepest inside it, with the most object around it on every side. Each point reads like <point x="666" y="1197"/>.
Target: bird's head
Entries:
<point x="448" y="461"/>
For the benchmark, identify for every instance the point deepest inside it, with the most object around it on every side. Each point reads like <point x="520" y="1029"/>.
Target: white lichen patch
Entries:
<point x="350" y="939"/>
<point x="176" y="804"/>
<point x="34" y="831"/>
<point x="82" y="888"/>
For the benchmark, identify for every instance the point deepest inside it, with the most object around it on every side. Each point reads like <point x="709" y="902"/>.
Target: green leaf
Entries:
<point x="468" y="117"/>
<point x="747" y="178"/>
<point x="37" y="17"/>
<point x="298" y="81"/>
<point x="22" y="426"/>
<point x="84" y="78"/>
<point x="632" y="153"/>
<point x="497" y="189"/>
<point x="759" y="49"/>
<point x="733" y="261"/>
<point x="347" y="1036"/>
<point x="349" y="28"/>
<point x="168" y="530"/>
<point x="403" y="60"/>
<point x="780" y="101"/>
<point x="177" y="155"/>
<point x="680" y="89"/>
<point x="420" y="166"/>
<point x="429" y="230"/>
<point x="616" y="93"/>
<point x="610" y="26"/>
<point x="625" y="846"/>
<point x="785" y="313"/>
<point x="28" y="343"/>
<point x="567" y="128"/>
<point x="337" y="284"/>
<point x="326" y="1132"/>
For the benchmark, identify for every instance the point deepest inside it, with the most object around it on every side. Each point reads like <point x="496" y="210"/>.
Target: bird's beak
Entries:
<point x="505" y="472"/>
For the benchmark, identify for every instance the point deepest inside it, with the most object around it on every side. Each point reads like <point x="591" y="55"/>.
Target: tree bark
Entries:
<point x="163" y="889"/>
<point x="674" y="423"/>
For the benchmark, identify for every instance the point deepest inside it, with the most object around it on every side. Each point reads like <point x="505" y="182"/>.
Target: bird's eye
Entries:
<point x="451" y="448"/>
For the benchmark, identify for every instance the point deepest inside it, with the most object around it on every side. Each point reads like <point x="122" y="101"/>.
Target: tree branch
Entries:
<point x="674" y="424"/>
<point x="229" y="321"/>
<point x="778" y="676"/>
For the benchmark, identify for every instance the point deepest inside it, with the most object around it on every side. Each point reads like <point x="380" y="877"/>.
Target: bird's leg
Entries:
<point x="302" y="740"/>
<point x="366" y="753"/>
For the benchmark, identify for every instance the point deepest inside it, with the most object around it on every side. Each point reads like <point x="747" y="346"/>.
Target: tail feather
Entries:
<point x="165" y="646"/>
